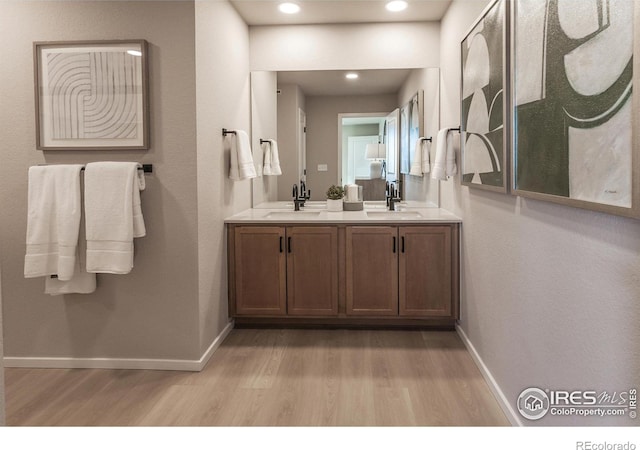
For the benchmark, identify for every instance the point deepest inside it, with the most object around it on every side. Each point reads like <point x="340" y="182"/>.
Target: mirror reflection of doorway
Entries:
<point x="302" y="145"/>
<point x="356" y="131"/>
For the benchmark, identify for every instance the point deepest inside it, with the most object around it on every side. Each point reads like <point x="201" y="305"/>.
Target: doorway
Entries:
<point x="356" y="130"/>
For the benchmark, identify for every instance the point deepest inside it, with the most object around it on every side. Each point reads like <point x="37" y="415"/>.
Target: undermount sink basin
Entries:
<point x="315" y="205"/>
<point x="311" y="205"/>
<point x="292" y="215"/>
<point x="399" y="215"/>
<point x="377" y="206"/>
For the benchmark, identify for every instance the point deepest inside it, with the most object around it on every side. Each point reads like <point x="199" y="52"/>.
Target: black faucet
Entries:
<point x="392" y="196"/>
<point x="300" y="197"/>
<point x="304" y="193"/>
<point x="387" y="189"/>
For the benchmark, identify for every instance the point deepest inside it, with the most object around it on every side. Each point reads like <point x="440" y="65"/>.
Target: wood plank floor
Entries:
<point x="274" y="377"/>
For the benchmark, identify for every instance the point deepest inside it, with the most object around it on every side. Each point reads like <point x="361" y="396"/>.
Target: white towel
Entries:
<point x="445" y="160"/>
<point x="113" y="215"/>
<point x="241" y="157"/>
<point x="82" y="282"/>
<point x="53" y="221"/>
<point x="421" y="160"/>
<point x="271" y="158"/>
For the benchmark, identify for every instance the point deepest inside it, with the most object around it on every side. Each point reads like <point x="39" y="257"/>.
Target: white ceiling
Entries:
<point x="333" y="82"/>
<point x="265" y="12"/>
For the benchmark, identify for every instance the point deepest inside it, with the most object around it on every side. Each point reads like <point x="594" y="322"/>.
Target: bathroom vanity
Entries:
<point x="353" y="268"/>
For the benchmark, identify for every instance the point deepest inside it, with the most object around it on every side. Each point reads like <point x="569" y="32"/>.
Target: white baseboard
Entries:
<point x="120" y="363"/>
<point x="507" y="409"/>
<point x="214" y="345"/>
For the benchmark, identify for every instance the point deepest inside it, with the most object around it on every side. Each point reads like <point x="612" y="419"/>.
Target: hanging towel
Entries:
<point x="271" y="159"/>
<point x="422" y="160"/>
<point x="445" y="161"/>
<point x="53" y="221"/>
<point x="113" y="215"/>
<point x="82" y="282"/>
<point x="241" y="158"/>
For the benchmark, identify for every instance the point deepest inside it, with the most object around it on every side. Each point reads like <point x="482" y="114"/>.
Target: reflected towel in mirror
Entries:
<point x="422" y="159"/>
<point x="271" y="158"/>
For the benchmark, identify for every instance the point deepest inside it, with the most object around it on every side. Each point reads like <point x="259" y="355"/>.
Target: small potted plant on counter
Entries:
<point x="334" y="198"/>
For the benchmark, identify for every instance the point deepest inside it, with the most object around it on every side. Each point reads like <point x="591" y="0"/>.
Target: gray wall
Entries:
<point x="322" y="133"/>
<point x="151" y="312"/>
<point x="223" y="101"/>
<point x="174" y="303"/>
<point x="550" y="293"/>
<point x="2" y="408"/>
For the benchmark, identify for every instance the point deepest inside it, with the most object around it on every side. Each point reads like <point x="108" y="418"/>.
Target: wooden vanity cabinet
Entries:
<point x="406" y="271"/>
<point x="343" y="274"/>
<point x="372" y="271"/>
<point x="279" y="271"/>
<point x="312" y="271"/>
<point x="257" y="271"/>
<point x="426" y="273"/>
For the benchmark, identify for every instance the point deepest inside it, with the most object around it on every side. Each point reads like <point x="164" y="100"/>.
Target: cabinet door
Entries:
<point x="312" y="271"/>
<point x="372" y="271"/>
<point x="425" y="271"/>
<point x="260" y="271"/>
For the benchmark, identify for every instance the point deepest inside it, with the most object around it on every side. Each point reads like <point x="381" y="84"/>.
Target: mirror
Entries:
<point x="316" y="112"/>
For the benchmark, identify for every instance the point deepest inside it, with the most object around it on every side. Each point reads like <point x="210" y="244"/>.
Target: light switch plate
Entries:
<point x="322" y="168"/>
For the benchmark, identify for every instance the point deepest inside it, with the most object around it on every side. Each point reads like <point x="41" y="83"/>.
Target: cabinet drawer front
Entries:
<point x="372" y="271"/>
<point x="425" y="271"/>
<point x="259" y="265"/>
<point x="312" y="271"/>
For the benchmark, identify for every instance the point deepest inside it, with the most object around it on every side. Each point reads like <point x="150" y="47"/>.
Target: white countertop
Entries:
<point x="316" y="212"/>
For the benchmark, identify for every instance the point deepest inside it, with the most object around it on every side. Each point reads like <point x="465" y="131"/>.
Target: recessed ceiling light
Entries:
<point x="397" y="5"/>
<point x="351" y="76"/>
<point x="289" y="8"/>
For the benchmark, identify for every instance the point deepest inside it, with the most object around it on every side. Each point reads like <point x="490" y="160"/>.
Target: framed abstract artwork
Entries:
<point x="91" y="95"/>
<point x="404" y="138"/>
<point x="412" y="123"/>
<point x="573" y="103"/>
<point x="484" y="106"/>
<point x="391" y="135"/>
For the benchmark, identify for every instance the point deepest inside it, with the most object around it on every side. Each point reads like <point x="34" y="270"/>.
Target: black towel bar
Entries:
<point x="146" y="168"/>
<point x="225" y="132"/>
